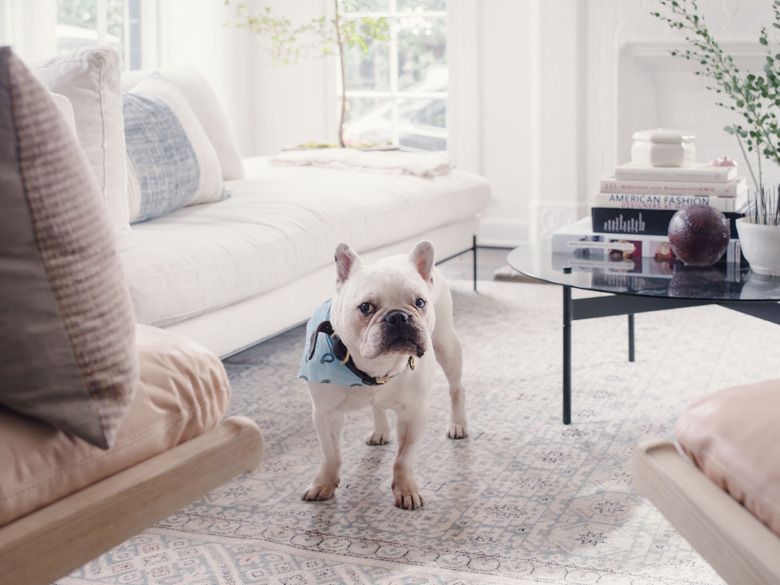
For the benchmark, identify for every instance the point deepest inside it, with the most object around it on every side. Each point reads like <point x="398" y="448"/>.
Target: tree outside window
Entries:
<point x="397" y="90"/>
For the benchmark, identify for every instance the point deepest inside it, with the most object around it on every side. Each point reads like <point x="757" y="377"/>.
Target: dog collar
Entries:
<point x="327" y="360"/>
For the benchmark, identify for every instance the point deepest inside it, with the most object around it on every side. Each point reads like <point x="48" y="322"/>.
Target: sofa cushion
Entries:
<point x="66" y="321"/>
<point x="203" y="101"/>
<point x="183" y="392"/>
<point x="733" y="437"/>
<point x="90" y="79"/>
<point x="171" y="163"/>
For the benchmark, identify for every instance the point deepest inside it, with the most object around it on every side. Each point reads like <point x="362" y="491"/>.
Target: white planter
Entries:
<point x="761" y="246"/>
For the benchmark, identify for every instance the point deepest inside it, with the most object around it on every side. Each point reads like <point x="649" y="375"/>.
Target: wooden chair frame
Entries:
<point x="53" y="541"/>
<point x="740" y="547"/>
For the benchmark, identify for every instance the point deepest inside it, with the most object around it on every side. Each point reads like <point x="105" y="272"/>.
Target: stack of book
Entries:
<point x="642" y="200"/>
<point x="666" y="188"/>
<point x="631" y="212"/>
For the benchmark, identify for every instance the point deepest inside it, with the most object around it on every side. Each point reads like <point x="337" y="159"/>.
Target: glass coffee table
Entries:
<point x="641" y="286"/>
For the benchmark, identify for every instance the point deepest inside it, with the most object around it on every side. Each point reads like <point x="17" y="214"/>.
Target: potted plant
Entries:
<point x="756" y="98"/>
<point x="287" y="42"/>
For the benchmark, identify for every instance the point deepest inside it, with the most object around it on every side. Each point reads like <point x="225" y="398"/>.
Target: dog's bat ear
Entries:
<point x="347" y="262"/>
<point x="423" y="259"/>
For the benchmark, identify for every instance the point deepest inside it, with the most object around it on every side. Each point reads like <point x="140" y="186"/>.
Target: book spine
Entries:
<point x="732" y="188"/>
<point x="686" y="174"/>
<point x="640" y="221"/>
<point x="657" y="201"/>
<point x="633" y="245"/>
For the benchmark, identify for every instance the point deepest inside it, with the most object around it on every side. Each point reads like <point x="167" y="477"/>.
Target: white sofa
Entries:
<point x="236" y="270"/>
<point x="232" y="273"/>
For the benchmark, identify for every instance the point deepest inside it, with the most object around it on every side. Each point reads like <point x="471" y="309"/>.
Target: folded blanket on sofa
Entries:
<point x="421" y="164"/>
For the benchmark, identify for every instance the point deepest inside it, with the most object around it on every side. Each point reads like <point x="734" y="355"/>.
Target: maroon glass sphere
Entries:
<point x="699" y="235"/>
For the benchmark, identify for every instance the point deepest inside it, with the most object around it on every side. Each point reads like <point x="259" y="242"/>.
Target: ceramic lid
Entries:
<point x="665" y="135"/>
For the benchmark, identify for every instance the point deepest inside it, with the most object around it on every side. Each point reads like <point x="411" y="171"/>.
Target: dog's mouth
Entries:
<point x="405" y="345"/>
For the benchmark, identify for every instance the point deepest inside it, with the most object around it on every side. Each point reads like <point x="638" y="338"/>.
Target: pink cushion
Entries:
<point x="183" y="392"/>
<point x="733" y="436"/>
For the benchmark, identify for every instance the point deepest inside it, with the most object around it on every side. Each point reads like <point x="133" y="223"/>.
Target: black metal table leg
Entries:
<point x="474" y="258"/>
<point x="568" y="309"/>
<point x="631" y="337"/>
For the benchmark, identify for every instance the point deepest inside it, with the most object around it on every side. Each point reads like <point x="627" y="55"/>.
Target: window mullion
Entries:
<point x="395" y="24"/>
<point x="102" y="21"/>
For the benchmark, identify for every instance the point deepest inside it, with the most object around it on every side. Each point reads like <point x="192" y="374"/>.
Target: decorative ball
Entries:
<point x="699" y="235"/>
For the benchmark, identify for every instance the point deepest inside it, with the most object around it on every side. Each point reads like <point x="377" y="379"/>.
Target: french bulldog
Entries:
<point x="374" y="344"/>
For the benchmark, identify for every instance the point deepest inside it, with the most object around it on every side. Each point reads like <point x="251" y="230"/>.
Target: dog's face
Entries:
<point x="383" y="312"/>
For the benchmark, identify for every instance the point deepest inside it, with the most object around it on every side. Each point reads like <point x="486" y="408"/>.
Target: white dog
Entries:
<point x="374" y="345"/>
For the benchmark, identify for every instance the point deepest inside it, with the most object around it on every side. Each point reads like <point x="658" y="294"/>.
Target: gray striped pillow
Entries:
<point x="67" y="345"/>
<point x="170" y="161"/>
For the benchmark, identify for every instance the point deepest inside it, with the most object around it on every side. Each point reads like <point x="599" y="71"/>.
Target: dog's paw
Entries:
<point x="457" y="431"/>
<point x="319" y="492"/>
<point x="378" y="438"/>
<point x="408" y="500"/>
<point x="406" y="493"/>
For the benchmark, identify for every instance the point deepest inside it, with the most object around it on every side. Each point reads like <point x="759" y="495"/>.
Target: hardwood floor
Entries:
<point x="488" y="261"/>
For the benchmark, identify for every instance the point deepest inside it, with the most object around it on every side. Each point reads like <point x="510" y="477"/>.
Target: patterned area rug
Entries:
<point x="523" y="500"/>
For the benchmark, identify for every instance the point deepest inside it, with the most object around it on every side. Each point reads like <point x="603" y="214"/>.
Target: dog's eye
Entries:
<point x="366" y="308"/>
<point x="420" y="303"/>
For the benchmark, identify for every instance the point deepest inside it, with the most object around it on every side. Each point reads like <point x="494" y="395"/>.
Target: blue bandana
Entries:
<point x="324" y="367"/>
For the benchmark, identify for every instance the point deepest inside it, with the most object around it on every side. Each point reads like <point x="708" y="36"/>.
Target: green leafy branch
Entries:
<point x="287" y="43"/>
<point x="754" y="97"/>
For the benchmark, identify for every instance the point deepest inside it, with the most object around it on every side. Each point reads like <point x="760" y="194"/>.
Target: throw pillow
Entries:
<point x="171" y="163"/>
<point x="203" y="101"/>
<point x="66" y="109"/>
<point x="90" y="79"/>
<point x="67" y="348"/>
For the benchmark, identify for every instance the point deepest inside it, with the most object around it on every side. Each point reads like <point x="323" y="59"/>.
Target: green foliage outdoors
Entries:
<point x="754" y="96"/>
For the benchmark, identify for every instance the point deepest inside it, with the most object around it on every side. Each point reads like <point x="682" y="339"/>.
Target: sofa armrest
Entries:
<point x="49" y="543"/>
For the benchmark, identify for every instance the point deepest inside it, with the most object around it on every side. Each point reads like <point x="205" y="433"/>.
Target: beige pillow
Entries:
<point x="67" y="352"/>
<point x="183" y="392"/>
<point x="733" y="437"/>
<point x="90" y="79"/>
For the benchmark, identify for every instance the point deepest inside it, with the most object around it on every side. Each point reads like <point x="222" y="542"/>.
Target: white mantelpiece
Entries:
<point x="604" y="72"/>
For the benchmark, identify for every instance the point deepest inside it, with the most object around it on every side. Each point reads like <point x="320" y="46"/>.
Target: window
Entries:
<point x="112" y="23"/>
<point x="397" y="92"/>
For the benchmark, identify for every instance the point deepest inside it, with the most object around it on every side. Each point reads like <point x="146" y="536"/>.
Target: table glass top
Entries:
<point x="652" y="278"/>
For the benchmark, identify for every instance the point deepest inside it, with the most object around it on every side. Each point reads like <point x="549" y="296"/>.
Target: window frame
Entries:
<point x="30" y="27"/>
<point x="394" y="94"/>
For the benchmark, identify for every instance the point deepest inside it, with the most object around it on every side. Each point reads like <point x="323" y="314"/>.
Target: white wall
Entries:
<point x="270" y="108"/>
<point x="507" y="74"/>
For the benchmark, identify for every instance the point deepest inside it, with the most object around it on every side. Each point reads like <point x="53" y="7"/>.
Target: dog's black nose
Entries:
<point x="396" y="318"/>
